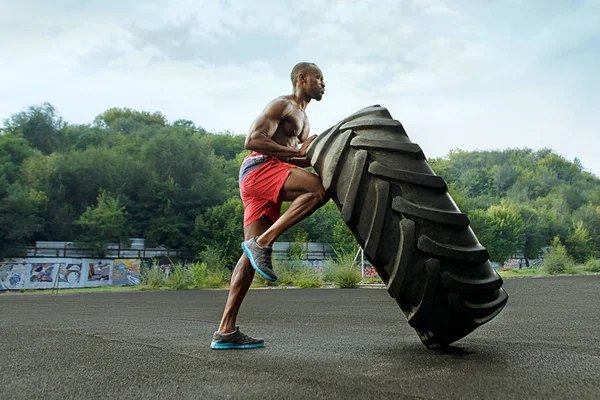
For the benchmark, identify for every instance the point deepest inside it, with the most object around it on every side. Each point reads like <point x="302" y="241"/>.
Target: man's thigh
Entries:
<point x="299" y="182"/>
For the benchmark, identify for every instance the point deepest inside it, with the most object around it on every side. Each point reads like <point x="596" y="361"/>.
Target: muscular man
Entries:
<point x="268" y="177"/>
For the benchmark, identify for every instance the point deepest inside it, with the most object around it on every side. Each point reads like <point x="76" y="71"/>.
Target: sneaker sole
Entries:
<point x="231" y="346"/>
<point x="253" y="263"/>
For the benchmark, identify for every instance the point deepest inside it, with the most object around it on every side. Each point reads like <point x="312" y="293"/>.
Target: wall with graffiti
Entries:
<point x="60" y="273"/>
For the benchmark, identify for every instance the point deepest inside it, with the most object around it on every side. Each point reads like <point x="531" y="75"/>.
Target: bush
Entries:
<point x="592" y="264"/>
<point x="557" y="261"/>
<point x="343" y="272"/>
<point x="290" y="273"/>
<point x="153" y="277"/>
<point x="307" y="278"/>
<point x="180" y="278"/>
<point x="373" y="280"/>
<point x="203" y="276"/>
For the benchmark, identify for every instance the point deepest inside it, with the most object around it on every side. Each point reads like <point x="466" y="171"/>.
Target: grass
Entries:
<point x="581" y="269"/>
<point x="100" y="289"/>
<point x="342" y="272"/>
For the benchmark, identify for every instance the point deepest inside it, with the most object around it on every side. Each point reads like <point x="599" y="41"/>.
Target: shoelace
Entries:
<point x="245" y="338"/>
<point x="267" y="261"/>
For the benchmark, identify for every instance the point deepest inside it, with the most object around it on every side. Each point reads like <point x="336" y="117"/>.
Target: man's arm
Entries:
<point x="303" y="162"/>
<point x="263" y="129"/>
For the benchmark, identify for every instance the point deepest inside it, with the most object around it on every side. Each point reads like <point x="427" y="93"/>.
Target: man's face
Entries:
<point x="315" y="84"/>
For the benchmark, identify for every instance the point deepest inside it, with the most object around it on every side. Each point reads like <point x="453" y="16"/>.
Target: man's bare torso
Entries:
<point x="293" y="127"/>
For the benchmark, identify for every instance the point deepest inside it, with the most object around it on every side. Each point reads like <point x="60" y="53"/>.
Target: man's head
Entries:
<point x="308" y="78"/>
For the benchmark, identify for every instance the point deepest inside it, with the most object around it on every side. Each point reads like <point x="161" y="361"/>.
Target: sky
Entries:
<point x="474" y="75"/>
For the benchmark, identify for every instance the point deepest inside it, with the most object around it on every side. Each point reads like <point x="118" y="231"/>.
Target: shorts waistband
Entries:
<point x="250" y="163"/>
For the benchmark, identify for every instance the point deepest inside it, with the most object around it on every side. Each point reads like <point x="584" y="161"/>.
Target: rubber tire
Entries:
<point x="410" y="228"/>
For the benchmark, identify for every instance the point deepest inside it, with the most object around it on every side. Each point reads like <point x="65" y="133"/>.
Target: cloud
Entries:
<point x="503" y="74"/>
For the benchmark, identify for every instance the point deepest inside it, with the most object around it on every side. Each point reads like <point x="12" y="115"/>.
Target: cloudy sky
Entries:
<point x="458" y="74"/>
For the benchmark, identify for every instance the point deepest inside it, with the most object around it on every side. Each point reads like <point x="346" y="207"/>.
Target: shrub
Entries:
<point x="592" y="264"/>
<point x="198" y="272"/>
<point x="307" y="278"/>
<point x="180" y="278"/>
<point x="203" y="276"/>
<point x="213" y="257"/>
<point x="373" y="280"/>
<point x="153" y="277"/>
<point x="343" y="272"/>
<point x="557" y="261"/>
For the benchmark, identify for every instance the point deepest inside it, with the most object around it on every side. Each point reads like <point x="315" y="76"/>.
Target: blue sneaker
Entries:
<point x="260" y="258"/>
<point x="235" y="340"/>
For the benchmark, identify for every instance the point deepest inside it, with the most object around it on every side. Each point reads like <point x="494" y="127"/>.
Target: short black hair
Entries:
<point x="300" y="68"/>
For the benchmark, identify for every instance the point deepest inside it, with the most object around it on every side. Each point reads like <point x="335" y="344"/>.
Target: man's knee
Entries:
<point x="319" y="194"/>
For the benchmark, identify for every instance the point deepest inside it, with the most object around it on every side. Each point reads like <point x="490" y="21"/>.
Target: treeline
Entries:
<point x="520" y="200"/>
<point x="135" y="174"/>
<point x="127" y="174"/>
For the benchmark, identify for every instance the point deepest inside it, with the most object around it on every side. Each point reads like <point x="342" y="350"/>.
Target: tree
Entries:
<point x="500" y="228"/>
<point x="579" y="242"/>
<point x="557" y="261"/>
<point x="127" y="121"/>
<point x="103" y="224"/>
<point x="40" y="126"/>
<point x="21" y="213"/>
<point x="14" y="150"/>
<point x="221" y="227"/>
<point x="589" y="214"/>
<point x="505" y="176"/>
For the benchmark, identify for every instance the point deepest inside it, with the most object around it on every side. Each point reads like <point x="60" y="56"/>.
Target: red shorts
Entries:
<point x="261" y="180"/>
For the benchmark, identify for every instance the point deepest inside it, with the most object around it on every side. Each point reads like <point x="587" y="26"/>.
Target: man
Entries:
<point x="268" y="177"/>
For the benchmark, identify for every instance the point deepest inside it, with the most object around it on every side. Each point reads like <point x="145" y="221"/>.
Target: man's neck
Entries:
<point x="301" y="99"/>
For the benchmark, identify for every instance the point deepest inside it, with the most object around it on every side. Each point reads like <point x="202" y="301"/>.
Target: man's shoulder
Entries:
<point x="279" y="105"/>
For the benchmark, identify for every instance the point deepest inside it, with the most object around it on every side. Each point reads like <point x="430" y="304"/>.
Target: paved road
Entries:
<point x="323" y="343"/>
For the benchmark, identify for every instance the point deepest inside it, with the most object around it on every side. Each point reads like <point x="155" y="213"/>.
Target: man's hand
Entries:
<point x="305" y="145"/>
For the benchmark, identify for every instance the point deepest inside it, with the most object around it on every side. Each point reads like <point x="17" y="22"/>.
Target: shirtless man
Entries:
<point x="268" y="177"/>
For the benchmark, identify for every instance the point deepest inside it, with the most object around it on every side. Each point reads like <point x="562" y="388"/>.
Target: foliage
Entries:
<point x="105" y="223"/>
<point x="557" y="261"/>
<point x="153" y="277"/>
<point x="500" y="228"/>
<point x="297" y="250"/>
<point x="519" y="199"/>
<point x="343" y="240"/>
<point x="39" y="125"/>
<point x="20" y="217"/>
<point x="342" y="271"/>
<point x="221" y="227"/>
<point x="579" y="242"/>
<point x="592" y="264"/>
<point x="176" y="185"/>
<point x="307" y="278"/>
<point x="180" y="278"/>
<point x="205" y="275"/>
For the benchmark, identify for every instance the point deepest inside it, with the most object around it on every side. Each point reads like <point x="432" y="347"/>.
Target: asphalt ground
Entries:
<point x="321" y="343"/>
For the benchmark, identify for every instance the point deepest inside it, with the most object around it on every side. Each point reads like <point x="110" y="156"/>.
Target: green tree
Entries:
<point x="557" y="261"/>
<point x="297" y="250"/>
<point x="128" y="121"/>
<point x="500" y="228"/>
<point x="103" y="224"/>
<point x="579" y="244"/>
<point x="222" y="227"/>
<point x="505" y="176"/>
<point x="21" y="219"/>
<point x="40" y="126"/>
<point x="14" y="150"/>
<point x="343" y="240"/>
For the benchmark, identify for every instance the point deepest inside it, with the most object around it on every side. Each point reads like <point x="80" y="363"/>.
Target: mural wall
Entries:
<point x="60" y="273"/>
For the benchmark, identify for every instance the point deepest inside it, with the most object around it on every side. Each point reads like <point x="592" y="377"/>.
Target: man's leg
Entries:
<point x="241" y="279"/>
<point x="305" y="191"/>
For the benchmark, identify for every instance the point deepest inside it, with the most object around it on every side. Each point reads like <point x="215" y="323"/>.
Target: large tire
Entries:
<point x="411" y="230"/>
